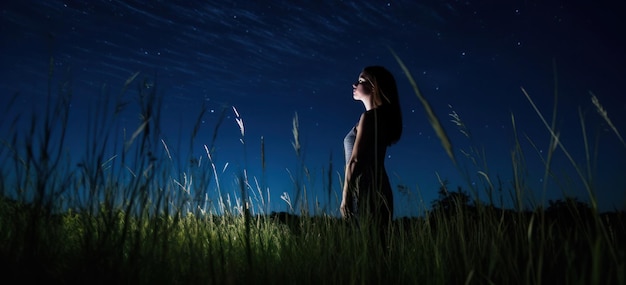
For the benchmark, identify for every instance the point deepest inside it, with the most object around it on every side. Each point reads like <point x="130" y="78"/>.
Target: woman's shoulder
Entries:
<point x="369" y="117"/>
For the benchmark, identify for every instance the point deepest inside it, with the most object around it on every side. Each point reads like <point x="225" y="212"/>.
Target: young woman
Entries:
<point x="367" y="192"/>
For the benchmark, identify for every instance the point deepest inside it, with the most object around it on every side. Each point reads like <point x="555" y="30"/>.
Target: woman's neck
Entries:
<point x="370" y="104"/>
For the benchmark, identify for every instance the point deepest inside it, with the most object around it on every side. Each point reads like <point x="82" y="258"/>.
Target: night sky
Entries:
<point x="274" y="59"/>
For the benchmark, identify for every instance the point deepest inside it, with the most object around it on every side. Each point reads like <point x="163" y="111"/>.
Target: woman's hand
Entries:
<point x="346" y="200"/>
<point x="345" y="211"/>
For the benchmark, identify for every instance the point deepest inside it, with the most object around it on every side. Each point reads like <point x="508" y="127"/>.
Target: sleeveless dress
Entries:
<point x="372" y="193"/>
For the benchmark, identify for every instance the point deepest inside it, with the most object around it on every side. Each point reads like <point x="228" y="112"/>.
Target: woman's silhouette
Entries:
<point x="367" y="192"/>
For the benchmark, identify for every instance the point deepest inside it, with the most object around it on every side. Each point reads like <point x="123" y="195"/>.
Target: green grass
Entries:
<point x="128" y="213"/>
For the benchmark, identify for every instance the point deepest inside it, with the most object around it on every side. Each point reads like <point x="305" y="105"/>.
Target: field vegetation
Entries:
<point x="126" y="212"/>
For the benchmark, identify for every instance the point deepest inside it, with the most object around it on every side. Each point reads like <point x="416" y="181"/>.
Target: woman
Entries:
<point x="367" y="192"/>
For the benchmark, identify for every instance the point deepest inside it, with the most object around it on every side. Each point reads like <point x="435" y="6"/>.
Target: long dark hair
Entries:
<point x="386" y="92"/>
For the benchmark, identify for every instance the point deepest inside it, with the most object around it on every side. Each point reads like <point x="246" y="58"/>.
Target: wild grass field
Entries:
<point x="124" y="212"/>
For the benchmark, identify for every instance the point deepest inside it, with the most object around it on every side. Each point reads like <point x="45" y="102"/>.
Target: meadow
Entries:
<point x="126" y="212"/>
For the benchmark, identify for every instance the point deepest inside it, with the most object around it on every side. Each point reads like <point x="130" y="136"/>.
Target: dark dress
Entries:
<point x="370" y="187"/>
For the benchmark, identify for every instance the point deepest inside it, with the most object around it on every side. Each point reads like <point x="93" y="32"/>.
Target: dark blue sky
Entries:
<point x="272" y="59"/>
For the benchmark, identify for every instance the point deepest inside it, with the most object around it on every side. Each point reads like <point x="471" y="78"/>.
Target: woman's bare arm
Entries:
<point x="363" y="146"/>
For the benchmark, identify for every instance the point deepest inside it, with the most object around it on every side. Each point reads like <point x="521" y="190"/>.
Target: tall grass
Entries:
<point x="131" y="211"/>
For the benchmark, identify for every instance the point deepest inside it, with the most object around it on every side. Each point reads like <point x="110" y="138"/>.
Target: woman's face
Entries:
<point x="362" y="88"/>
